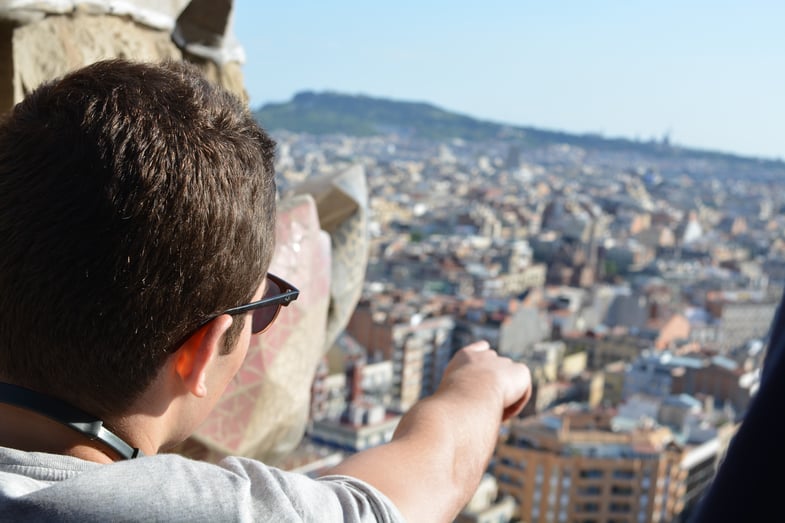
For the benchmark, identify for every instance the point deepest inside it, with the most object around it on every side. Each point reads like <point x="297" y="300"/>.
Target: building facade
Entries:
<point x="572" y="467"/>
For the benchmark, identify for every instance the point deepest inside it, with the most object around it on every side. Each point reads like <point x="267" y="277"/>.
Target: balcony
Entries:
<point x="591" y="474"/>
<point x="618" y="490"/>
<point x="592" y="490"/>
<point x="620" y="508"/>
<point x="624" y="474"/>
<point x="589" y="508"/>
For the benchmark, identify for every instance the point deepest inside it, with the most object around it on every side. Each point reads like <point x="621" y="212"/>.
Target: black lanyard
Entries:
<point x="66" y="414"/>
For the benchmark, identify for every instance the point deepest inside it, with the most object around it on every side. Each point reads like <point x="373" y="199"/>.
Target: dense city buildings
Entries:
<point x="638" y="287"/>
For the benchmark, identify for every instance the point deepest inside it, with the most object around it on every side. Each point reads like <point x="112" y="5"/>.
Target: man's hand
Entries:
<point x="477" y="368"/>
<point x="443" y="444"/>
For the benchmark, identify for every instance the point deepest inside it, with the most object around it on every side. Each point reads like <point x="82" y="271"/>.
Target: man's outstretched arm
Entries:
<point x="442" y="446"/>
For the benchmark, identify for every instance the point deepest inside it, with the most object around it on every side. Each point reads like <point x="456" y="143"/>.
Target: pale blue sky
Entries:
<point x="711" y="73"/>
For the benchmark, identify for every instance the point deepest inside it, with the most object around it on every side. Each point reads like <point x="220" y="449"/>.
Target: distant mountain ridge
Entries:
<point x="359" y="115"/>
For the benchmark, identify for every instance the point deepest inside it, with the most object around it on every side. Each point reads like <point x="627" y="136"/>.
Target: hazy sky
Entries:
<point x="711" y="73"/>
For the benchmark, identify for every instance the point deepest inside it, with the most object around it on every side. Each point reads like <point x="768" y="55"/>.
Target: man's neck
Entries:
<point x="81" y="423"/>
<point x="26" y="430"/>
<point x="162" y="416"/>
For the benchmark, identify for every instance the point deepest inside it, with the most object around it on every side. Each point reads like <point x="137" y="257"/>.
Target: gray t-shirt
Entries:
<point x="48" y="487"/>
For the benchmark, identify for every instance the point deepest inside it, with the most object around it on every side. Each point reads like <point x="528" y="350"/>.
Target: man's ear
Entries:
<point x="192" y="359"/>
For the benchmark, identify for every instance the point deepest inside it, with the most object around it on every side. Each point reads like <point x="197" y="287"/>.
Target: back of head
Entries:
<point x="136" y="201"/>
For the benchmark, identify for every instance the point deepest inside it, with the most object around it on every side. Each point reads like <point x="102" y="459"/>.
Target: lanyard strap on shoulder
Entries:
<point x="67" y="415"/>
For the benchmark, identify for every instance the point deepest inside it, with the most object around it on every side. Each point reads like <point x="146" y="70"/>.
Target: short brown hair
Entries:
<point x="136" y="201"/>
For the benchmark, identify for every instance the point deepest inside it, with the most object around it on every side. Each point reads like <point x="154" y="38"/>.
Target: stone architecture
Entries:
<point x="40" y="40"/>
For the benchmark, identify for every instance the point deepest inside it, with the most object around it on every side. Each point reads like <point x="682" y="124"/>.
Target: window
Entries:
<point x="592" y="490"/>
<point x="590" y="473"/>
<point x="624" y="474"/>
<point x="510" y="480"/>
<point x="618" y="490"/>
<point x="587" y="507"/>
<point x="620" y="507"/>
<point x="551" y="504"/>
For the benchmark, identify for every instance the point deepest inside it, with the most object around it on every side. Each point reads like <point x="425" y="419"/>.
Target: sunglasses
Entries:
<point x="278" y="293"/>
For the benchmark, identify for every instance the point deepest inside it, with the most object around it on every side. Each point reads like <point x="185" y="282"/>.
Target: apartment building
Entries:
<point x="570" y="466"/>
<point x="742" y="316"/>
<point x="367" y="426"/>
<point x="418" y="346"/>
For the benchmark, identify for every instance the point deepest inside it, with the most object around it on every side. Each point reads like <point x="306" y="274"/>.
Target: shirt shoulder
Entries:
<point x="171" y="487"/>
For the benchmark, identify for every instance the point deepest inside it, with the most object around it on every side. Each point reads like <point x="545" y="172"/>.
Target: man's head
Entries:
<point x="136" y="201"/>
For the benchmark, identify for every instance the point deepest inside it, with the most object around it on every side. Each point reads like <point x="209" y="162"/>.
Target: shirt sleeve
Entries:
<point x="326" y="499"/>
<point x="169" y="487"/>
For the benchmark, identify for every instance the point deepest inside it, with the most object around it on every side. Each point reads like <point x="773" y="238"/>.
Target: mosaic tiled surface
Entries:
<point x="349" y="239"/>
<point x="264" y="410"/>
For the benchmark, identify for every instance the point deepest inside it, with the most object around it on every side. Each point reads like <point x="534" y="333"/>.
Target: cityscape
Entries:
<point x="636" y="276"/>
<point x="638" y="287"/>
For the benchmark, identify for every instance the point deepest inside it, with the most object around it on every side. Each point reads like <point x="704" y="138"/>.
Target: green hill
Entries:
<point x="324" y="113"/>
<point x="357" y="115"/>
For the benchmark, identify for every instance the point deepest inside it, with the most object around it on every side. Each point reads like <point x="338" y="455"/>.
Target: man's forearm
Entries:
<point x="437" y="457"/>
<point x="442" y="445"/>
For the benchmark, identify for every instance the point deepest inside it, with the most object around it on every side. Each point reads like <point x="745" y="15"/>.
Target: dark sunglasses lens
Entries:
<point x="272" y="289"/>
<point x="264" y="316"/>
